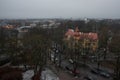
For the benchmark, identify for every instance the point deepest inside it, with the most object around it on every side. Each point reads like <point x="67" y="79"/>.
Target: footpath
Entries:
<point x="62" y="74"/>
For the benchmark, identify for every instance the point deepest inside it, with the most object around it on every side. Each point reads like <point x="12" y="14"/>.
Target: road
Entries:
<point x="63" y="75"/>
<point x="84" y="71"/>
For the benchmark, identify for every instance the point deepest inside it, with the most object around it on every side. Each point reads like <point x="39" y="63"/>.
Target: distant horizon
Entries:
<point x="23" y="9"/>
<point x="61" y="18"/>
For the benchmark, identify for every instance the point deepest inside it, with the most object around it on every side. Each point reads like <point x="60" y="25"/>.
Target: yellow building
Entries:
<point x="85" y="40"/>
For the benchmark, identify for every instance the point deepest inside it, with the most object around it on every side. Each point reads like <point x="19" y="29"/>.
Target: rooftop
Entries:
<point x="80" y="35"/>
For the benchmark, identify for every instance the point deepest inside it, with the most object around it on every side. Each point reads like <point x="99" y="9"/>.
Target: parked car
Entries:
<point x="100" y="72"/>
<point x="104" y="73"/>
<point x="89" y="78"/>
<point x="4" y="59"/>
<point x="71" y="61"/>
<point x="94" y="71"/>
<point x="66" y="65"/>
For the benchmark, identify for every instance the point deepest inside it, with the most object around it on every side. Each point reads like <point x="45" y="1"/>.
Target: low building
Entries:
<point x="33" y="25"/>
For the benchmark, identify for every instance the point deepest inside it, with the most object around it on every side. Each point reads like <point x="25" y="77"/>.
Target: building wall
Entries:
<point x="84" y="43"/>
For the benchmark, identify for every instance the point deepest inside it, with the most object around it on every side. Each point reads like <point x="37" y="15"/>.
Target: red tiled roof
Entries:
<point x="69" y="32"/>
<point x="80" y="35"/>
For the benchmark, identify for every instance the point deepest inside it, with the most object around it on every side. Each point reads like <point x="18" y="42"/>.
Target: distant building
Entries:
<point x="86" y="20"/>
<point x="8" y="31"/>
<point x="33" y="25"/>
<point x="22" y="31"/>
<point x="24" y="28"/>
<point x="84" y="40"/>
<point x="8" y="27"/>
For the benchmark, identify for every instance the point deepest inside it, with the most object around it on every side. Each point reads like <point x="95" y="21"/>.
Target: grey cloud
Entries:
<point x="59" y="8"/>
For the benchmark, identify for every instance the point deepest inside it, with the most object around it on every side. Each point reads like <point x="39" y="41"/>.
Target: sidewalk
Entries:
<point x="65" y="76"/>
<point x="62" y="74"/>
<point x="94" y="65"/>
<point x="101" y="67"/>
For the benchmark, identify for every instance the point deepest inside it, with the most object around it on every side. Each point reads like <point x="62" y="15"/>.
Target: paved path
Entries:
<point x="66" y="76"/>
<point x="63" y="74"/>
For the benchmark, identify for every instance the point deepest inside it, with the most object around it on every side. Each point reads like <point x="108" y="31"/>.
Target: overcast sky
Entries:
<point x="59" y="8"/>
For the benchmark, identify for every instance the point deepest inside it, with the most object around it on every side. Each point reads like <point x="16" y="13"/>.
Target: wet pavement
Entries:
<point x="66" y="75"/>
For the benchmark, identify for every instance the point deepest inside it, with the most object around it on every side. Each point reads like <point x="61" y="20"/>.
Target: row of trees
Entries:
<point x="108" y="40"/>
<point x="32" y="49"/>
<point x="35" y="51"/>
<point x="114" y="47"/>
<point x="57" y="35"/>
<point x="37" y="43"/>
